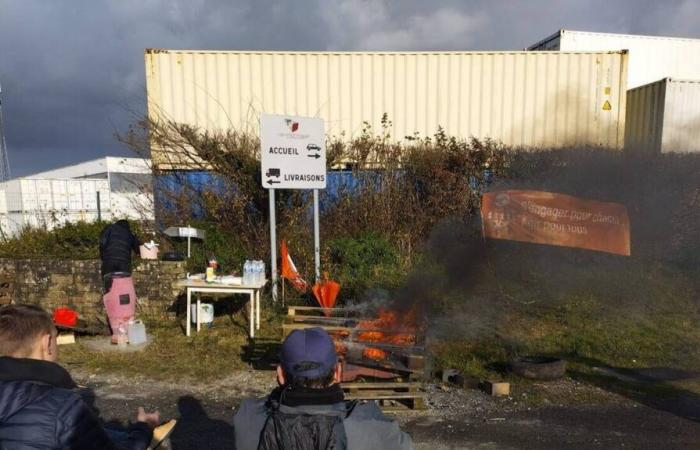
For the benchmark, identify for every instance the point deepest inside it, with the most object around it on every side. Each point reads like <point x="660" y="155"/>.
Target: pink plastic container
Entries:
<point x="120" y="302"/>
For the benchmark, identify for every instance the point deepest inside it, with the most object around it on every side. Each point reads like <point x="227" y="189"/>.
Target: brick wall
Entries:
<point x="77" y="284"/>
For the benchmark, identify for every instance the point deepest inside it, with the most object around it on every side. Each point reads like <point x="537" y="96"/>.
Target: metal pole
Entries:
<point x="317" y="239"/>
<point x="189" y="240"/>
<point x="273" y="245"/>
<point x="99" y="208"/>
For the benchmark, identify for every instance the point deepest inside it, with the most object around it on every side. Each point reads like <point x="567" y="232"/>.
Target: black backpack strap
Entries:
<point x="350" y="406"/>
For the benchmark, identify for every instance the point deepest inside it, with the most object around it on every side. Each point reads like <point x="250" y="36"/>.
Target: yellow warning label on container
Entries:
<point x="607" y="90"/>
<point x="607" y="106"/>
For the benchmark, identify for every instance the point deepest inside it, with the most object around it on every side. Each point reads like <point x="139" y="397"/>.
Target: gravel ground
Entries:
<point x="563" y="414"/>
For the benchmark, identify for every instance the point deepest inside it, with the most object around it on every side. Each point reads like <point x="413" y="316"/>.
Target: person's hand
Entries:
<point x="152" y="419"/>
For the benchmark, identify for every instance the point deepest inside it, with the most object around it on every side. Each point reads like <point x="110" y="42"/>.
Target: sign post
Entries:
<point x="292" y="156"/>
<point x="317" y="239"/>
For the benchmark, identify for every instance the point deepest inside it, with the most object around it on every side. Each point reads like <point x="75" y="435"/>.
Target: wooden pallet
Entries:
<point x="315" y="311"/>
<point x="388" y="394"/>
<point x="289" y="327"/>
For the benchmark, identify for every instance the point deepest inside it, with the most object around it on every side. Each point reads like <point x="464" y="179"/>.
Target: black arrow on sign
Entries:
<point x="272" y="182"/>
<point x="314" y="156"/>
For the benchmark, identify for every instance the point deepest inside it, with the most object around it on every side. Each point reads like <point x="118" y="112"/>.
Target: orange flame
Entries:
<point x="388" y="320"/>
<point x="374" y="353"/>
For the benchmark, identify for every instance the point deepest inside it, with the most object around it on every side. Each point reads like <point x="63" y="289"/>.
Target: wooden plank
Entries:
<point x="316" y="311"/>
<point x="382" y="385"/>
<point x="303" y="326"/>
<point x="496" y="388"/>
<point x="371" y="395"/>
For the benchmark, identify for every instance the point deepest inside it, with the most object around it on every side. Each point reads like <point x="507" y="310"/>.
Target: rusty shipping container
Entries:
<point x="531" y="99"/>
<point x="664" y="117"/>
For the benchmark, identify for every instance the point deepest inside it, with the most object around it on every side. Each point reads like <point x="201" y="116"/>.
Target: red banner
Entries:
<point x="556" y="219"/>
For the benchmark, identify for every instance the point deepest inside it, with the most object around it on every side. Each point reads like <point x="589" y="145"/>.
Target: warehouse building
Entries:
<point x="651" y="58"/>
<point x="108" y="188"/>
<point x="528" y="99"/>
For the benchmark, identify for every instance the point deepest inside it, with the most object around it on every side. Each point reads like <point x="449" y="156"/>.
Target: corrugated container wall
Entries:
<point x="50" y="203"/>
<point x="539" y="99"/>
<point x="651" y="58"/>
<point x="664" y="117"/>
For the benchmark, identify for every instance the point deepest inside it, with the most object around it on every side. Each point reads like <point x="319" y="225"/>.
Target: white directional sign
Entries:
<point x="292" y="152"/>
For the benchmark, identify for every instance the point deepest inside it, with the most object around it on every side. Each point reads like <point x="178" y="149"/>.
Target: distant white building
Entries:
<point x="651" y="59"/>
<point x="108" y="188"/>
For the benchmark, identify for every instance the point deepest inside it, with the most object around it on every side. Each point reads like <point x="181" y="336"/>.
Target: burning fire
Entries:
<point x="388" y="328"/>
<point x="400" y="332"/>
<point x="374" y="353"/>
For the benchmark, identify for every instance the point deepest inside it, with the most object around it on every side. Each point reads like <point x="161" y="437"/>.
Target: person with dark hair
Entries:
<point x="39" y="405"/>
<point x="116" y="244"/>
<point x="308" y="410"/>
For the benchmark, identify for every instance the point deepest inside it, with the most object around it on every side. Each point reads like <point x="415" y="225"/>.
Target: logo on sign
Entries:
<point x="292" y="125"/>
<point x="502" y="200"/>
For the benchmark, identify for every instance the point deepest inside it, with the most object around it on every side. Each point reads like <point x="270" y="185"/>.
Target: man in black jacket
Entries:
<point x="39" y="407"/>
<point x="116" y="244"/>
<point x="308" y="409"/>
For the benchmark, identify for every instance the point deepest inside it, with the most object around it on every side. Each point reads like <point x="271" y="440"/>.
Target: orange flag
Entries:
<point x="289" y="270"/>
<point x="556" y="219"/>
<point x="326" y="293"/>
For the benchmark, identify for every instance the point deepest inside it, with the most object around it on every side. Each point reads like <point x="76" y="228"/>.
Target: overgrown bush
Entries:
<point x="219" y="243"/>
<point x="80" y="240"/>
<point x="400" y="190"/>
<point x="367" y="261"/>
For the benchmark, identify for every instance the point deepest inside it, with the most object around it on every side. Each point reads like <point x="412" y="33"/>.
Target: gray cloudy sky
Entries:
<point x="72" y="70"/>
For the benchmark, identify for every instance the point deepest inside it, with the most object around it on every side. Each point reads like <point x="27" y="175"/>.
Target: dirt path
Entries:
<point x="456" y="418"/>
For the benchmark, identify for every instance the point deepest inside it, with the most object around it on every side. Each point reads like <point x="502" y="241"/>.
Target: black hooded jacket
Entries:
<point x="40" y="409"/>
<point x="117" y="242"/>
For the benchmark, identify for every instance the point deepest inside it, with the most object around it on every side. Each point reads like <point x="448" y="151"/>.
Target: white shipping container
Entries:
<point x="44" y="195"/>
<point x="3" y="202"/>
<point x="664" y="117"/>
<point x="538" y="99"/>
<point x="60" y="194"/>
<point x="651" y="58"/>
<point x="30" y="196"/>
<point x="26" y="194"/>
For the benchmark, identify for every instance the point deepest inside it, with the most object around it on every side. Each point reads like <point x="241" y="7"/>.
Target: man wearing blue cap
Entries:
<point x="308" y="409"/>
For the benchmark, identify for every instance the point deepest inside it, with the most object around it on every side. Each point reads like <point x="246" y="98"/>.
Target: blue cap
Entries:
<point x="308" y="353"/>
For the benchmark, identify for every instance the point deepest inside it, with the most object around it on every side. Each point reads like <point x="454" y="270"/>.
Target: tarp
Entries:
<point x="556" y="219"/>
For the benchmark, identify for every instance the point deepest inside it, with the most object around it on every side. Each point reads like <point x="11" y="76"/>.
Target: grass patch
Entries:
<point x="210" y="354"/>
<point x="635" y="317"/>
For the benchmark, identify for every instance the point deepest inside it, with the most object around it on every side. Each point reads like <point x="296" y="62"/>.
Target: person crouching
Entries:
<point x="39" y="405"/>
<point x="308" y="409"/>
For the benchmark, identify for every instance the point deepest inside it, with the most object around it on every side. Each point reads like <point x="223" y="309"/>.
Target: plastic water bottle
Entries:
<point x="256" y="272"/>
<point x="246" y="273"/>
<point x="261" y="272"/>
<point x="122" y="336"/>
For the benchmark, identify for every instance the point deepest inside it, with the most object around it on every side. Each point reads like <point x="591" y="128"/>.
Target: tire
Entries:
<point x="539" y="367"/>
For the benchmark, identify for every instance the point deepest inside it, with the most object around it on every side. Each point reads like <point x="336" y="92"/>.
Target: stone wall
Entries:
<point x="53" y="283"/>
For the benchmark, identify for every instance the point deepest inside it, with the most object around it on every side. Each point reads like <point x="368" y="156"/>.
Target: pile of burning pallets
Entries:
<point x="383" y="356"/>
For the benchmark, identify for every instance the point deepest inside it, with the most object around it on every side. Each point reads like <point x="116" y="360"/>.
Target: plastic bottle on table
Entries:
<point x="246" y="273"/>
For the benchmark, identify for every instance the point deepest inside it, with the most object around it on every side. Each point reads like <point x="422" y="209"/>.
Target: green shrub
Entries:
<point x="223" y="245"/>
<point x="363" y="262"/>
<point x="80" y="240"/>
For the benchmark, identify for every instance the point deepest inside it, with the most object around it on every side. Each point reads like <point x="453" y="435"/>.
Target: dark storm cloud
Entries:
<point x="72" y="71"/>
